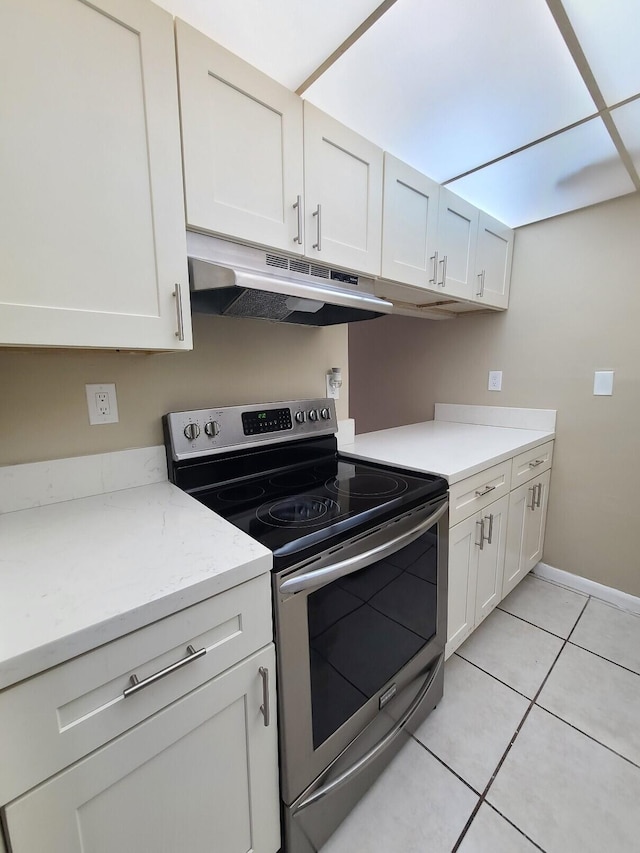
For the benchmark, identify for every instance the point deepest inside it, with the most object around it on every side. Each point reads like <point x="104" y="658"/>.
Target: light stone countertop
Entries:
<point x="80" y="573"/>
<point x="452" y="450"/>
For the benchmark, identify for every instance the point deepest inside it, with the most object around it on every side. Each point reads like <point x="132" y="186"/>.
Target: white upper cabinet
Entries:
<point x="93" y="250"/>
<point x="409" y="224"/>
<point x="343" y="191"/>
<point x="457" y="240"/>
<point x="493" y="262"/>
<point x="242" y="146"/>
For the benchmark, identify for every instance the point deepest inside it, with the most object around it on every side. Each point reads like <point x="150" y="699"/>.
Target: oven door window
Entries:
<point x="363" y="628"/>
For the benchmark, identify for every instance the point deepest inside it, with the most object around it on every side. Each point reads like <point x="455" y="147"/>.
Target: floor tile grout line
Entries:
<point x="533" y="624"/>
<point x="495" y="677"/>
<point x="532" y="703"/>
<point x="444" y="764"/>
<point x="602" y="657"/>
<point x="591" y="737"/>
<point x="578" y="619"/>
<point x="511" y="823"/>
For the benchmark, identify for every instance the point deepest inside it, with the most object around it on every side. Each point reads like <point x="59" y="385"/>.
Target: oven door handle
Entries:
<point x="379" y="747"/>
<point x="320" y="577"/>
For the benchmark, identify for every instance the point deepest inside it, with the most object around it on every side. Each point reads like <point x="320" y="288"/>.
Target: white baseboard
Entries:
<point x="605" y="593"/>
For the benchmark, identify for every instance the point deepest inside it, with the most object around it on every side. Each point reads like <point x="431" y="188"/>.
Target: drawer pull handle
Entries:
<point x="137" y="685"/>
<point x="536" y="463"/>
<point x="485" y="491"/>
<point x="264" y="708"/>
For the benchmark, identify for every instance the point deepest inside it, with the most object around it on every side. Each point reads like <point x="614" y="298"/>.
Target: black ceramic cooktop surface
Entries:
<point x="294" y="509"/>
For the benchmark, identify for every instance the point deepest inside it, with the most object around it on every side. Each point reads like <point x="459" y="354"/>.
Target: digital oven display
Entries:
<point x="267" y="420"/>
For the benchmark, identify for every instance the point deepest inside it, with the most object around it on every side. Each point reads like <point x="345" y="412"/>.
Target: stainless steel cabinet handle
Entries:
<point x="532" y="505"/>
<point x="318" y="212"/>
<point x="539" y="498"/>
<point x="136" y="685"/>
<point x="480" y="292"/>
<point x="486" y="491"/>
<point x="490" y="520"/>
<point x="536" y="463"/>
<point x="379" y="747"/>
<point x="298" y="206"/>
<point x="481" y="542"/>
<point x="264" y="708"/>
<point x="443" y="283"/>
<point x="320" y="577"/>
<point x="434" y="279"/>
<point x="177" y="292"/>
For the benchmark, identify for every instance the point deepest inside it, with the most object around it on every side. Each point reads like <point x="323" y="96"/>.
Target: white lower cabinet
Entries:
<point x="525" y="537"/>
<point x="186" y="762"/>
<point x="476" y="563"/>
<point x="494" y="547"/>
<point x="198" y="776"/>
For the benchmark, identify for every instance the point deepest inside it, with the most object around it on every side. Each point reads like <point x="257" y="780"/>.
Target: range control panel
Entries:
<point x="204" y="432"/>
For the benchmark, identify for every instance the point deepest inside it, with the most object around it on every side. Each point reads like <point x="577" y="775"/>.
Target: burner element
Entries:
<point x="240" y="494"/>
<point x="368" y="485"/>
<point x="299" y="511"/>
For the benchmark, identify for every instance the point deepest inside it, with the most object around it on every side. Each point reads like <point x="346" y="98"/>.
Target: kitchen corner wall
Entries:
<point x="43" y="407"/>
<point x="575" y="308"/>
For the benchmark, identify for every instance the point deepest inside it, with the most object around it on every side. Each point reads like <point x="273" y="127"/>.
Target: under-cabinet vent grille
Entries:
<point x="320" y="272"/>
<point x="306" y="268"/>
<point x="277" y="261"/>
<point x="299" y="266"/>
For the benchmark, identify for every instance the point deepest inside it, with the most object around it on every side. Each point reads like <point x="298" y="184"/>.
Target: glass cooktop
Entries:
<point x="291" y="510"/>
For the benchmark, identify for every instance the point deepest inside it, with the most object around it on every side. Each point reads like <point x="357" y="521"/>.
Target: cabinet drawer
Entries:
<point x="477" y="492"/>
<point x="531" y="463"/>
<point x="53" y="719"/>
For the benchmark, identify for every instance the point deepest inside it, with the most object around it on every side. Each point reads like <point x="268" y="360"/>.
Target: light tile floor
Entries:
<point x="535" y="745"/>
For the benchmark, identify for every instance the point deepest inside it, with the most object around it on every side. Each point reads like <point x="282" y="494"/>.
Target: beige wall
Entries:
<point x="43" y="409"/>
<point x="575" y="308"/>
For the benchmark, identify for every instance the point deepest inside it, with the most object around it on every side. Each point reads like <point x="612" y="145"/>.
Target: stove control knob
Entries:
<point x="192" y="431"/>
<point x="325" y="414"/>
<point x="301" y="417"/>
<point x="313" y="414"/>
<point x="212" y="428"/>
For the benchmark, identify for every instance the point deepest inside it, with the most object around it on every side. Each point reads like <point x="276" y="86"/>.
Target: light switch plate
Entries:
<point x="603" y="383"/>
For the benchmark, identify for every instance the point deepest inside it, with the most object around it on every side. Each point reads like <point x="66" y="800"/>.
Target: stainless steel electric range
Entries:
<point x="359" y="590"/>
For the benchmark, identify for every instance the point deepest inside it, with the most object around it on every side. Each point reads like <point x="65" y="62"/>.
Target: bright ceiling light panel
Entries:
<point x="448" y="85"/>
<point x="627" y="120"/>
<point x="287" y="39"/>
<point x="572" y="170"/>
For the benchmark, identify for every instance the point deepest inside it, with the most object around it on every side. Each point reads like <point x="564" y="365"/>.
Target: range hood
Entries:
<point x="240" y="281"/>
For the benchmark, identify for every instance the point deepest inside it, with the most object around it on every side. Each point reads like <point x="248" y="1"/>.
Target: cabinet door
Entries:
<point x="525" y="529"/>
<point x="464" y="540"/>
<point x="409" y="225"/>
<point x="457" y="240"/>
<point x="493" y="262"/>
<point x="200" y="775"/>
<point x="91" y="208"/>
<point x="343" y="192"/>
<point x="491" y="558"/>
<point x="242" y="140"/>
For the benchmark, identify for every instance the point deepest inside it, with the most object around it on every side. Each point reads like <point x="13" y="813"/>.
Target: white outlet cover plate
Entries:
<point x="95" y="415"/>
<point x="603" y="383"/>
<point x="495" y="380"/>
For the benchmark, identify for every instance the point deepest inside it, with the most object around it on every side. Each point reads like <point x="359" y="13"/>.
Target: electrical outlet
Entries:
<point x="495" y="380"/>
<point x="102" y="404"/>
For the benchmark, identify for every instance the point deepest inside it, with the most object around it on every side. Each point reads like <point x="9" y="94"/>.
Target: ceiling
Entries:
<point x="527" y="109"/>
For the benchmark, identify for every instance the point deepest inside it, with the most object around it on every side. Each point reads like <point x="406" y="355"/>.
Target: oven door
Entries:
<point x="355" y="626"/>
